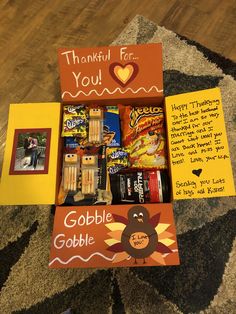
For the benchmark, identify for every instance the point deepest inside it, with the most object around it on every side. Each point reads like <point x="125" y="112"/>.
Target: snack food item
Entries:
<point x="85" y="180"/>
<point x="70" y="172"/>
<point x="104" y="190"/>
<point x="117" y="159"/>
<point x="111" y="127"/>
<point x="71" y="142"/>
<point x="140" y="187"/>
<point x="102" y="168"/>
<point x="74" y="110"/>
<point x="94" y="182"/>
<point x="95" y="125"/>
<point x="144" y="136"/>
<point x="89" y="174"/>
<point x="75" y="121"/>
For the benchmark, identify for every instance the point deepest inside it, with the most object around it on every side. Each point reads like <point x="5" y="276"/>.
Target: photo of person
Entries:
<point x="30" y="152"/>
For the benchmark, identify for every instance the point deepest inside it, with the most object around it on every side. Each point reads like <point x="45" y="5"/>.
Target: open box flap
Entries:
<point x="128" y="73"/>
<point x="198" y="148"/>
<point x="29" y="170"/>
<point x="111" y="236"/>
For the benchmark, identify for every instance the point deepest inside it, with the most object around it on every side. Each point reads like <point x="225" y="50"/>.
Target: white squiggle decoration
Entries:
<point x="112" y="92"/>
<point x="81" y="258"/>
<point x="87" y="259"/>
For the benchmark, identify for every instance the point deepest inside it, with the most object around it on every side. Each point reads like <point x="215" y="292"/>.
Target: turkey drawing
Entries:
<point x="139" y="236"/>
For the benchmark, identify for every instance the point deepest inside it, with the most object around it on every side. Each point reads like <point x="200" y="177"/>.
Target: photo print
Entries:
<point x="30" y="153"/>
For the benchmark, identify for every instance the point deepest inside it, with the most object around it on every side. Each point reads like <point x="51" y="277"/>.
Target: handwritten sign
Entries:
<point x="198" y="148"/>
<point x="115" y="72"/>
<point x="103" y="236"/>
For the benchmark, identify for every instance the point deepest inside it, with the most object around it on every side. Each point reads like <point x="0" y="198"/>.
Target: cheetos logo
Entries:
<point x="139" y="112"/>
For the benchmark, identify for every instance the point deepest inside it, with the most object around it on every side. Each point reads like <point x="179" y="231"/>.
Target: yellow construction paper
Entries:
<point x="198" y="148"/>
<point x="31" y="188"/>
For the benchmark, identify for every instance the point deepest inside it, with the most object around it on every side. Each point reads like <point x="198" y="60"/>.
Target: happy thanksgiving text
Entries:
<point x="199" y="150"/>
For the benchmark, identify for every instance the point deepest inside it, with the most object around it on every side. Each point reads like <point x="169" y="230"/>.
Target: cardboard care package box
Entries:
<point x="113" y="155"/>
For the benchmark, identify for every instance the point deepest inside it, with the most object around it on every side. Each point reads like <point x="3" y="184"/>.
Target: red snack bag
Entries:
<point x="144" y="136"/>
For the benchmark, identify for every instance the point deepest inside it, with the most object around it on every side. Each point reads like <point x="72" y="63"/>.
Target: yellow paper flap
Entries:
<point x="29" y="170"/>
<point x="198" y="147"/>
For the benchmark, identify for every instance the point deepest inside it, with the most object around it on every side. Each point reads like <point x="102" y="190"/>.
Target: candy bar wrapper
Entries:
<point x="75" y="121"/>
<point x="102" y="166"/>
<point x="75" y="110"/>
<point x="117" y="159"/>
<point x="144" y="136"/>
<point x="71" y="142"/>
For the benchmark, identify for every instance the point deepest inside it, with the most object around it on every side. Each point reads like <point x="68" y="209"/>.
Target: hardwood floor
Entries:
<point x="31" y="31"/>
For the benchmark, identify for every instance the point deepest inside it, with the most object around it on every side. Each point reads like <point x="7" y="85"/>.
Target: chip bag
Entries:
<point x="144" y="136"/>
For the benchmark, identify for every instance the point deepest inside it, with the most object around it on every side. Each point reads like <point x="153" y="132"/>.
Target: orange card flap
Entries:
<point x="111" y="73"/>
<point x="198" y="147"/>
<point x="114" y="236"/>
<point x="29" y="171"/>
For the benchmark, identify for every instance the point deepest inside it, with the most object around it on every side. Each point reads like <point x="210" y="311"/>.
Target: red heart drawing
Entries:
<point x="123" y="74"/>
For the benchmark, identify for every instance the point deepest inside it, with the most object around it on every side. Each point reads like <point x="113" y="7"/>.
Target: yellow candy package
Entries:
<point x="75" y="121"/>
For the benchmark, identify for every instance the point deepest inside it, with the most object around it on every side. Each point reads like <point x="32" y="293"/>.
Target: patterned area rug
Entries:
<point x="206" y="280"/>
